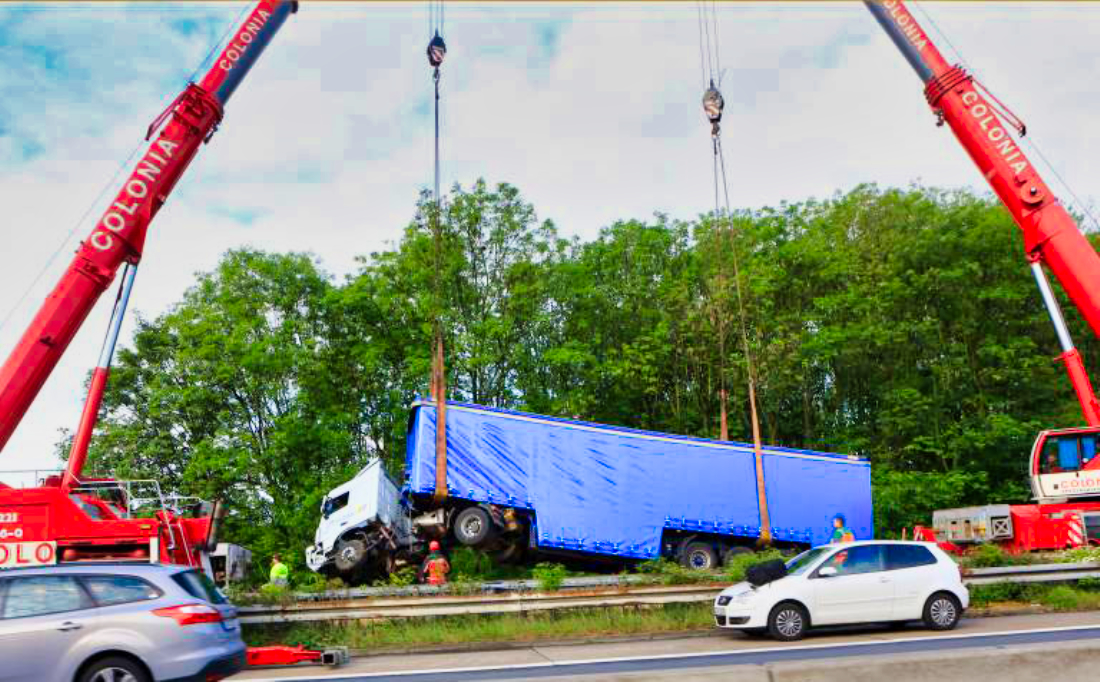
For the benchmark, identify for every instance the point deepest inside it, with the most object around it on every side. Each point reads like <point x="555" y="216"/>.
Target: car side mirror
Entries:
<point x="827" y="572"/>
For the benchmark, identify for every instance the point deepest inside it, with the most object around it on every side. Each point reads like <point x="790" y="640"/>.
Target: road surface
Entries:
<point x="691" y="657"/>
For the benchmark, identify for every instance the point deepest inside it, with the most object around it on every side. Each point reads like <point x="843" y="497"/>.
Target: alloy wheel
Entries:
<point x="942" y="612"/>
<point x="789" y="622"/>
<point x="114" y="675"/>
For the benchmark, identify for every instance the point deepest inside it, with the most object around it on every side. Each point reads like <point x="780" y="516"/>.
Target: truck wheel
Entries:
<point x="699" y="556"/>
<point x="733" y="552"/>
<point x="350" y="554"/>
<point x="472" y="526"/>
<point x="509" y="553"/>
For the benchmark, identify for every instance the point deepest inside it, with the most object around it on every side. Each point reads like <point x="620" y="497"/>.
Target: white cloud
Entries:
<point x="592" y="111"/>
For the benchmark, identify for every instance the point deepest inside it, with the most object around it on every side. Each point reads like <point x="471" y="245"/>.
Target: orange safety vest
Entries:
<point x="437" y="569"/>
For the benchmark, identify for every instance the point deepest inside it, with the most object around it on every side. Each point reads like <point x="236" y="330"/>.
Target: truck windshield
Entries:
<point x="334" y="504"/>
<point x="803" y="561"/>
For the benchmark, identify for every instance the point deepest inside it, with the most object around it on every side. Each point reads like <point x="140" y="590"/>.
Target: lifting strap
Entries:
<point x="713" y="104"/>
<point x="437" y="51"/>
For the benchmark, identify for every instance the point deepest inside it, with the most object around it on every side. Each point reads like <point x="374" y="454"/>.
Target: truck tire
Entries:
<point x="472" y="526"/>
<point x="699" y="556"/>
<point x="733" y="552"/>
<point x="350" y="555"/>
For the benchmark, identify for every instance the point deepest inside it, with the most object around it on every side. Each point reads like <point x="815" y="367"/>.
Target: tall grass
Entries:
<point x="508" y="627"/>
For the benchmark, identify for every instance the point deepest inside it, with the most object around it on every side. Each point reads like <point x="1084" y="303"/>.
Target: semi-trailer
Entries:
<point x="523" y="486"/>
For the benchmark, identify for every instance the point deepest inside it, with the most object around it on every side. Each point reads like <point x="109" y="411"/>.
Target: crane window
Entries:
<point x="1067" y="453"/>
<point x="1088" y="449"/>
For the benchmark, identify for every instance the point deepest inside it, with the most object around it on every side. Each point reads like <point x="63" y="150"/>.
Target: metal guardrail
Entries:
<point x="1036" y="573"/>
<point x="488" y="587"/>
<point x="449" y="605"/>
<point x="518" y="596"/>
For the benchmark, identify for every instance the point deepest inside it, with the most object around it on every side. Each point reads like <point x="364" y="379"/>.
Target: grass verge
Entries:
<point x="503" y="628"/>
<point x="1084" y="596"/>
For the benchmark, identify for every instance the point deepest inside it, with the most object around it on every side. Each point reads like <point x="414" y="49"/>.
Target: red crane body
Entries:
<point x="1051" y="236"/>
<point x="119" y="235"/>
<point x="69" y="519"/>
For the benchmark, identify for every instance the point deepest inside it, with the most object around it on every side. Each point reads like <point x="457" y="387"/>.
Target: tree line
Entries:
<point x="901" y="325"/>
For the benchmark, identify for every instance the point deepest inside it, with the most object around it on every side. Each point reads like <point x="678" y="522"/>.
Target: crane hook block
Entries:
<point x="713" y="104"/>
<point x="437" y="50"/>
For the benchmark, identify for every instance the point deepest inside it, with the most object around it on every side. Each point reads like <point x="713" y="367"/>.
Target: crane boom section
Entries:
<point x="119" y="235"/>
<point x="1051" y="236"/>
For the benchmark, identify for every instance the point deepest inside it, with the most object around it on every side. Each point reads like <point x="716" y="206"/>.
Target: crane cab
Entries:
<point x="1064" y="465"/>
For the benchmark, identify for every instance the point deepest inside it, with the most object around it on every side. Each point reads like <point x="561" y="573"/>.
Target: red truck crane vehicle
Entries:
<point x="70" y="518"/>
<point x="1064" y="469"/>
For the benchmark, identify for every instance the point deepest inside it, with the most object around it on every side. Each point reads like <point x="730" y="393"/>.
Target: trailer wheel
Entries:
<point x="699" y="556"/>
<point x="350" y="554"/>
<point x="733" y="552"/>
<point x="472" y="526"/>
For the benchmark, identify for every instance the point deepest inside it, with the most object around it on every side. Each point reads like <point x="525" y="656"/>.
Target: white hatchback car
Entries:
<point x="853" y="582"/>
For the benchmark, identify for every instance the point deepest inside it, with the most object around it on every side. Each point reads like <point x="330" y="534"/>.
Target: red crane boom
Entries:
<point x="1051" y="236"/>
<point x="119" y="235"/>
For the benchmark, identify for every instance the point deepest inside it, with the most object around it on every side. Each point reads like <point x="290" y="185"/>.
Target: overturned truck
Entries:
<point x="521" y="486"/>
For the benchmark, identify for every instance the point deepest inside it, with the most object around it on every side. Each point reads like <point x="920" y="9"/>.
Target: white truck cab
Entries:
<point x="362" y="523"/>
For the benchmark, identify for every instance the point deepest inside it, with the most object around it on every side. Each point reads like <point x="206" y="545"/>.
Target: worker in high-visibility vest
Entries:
<point x="435" y="568"/>
<point x="841" y="531"/>
<point x="280" y="574"/>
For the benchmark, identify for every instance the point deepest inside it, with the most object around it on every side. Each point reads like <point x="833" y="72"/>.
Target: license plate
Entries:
<point x="14" y="554"/>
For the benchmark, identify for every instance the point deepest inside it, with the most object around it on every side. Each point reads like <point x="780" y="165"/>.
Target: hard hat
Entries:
<point x="434" y="545"/>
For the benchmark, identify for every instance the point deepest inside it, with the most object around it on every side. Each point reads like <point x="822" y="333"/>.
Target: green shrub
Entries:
<point x="274" y="594"/>
<point x="983" y="595"/>
<point x="314" y="583"/>
<point x="549" y="576"/>
<point x="739" y="563"/>
<point x="471" y="563"/>
<point x="1081" y="555"/>
<point x="404" y="576"/>
<point x="988" y="556"/>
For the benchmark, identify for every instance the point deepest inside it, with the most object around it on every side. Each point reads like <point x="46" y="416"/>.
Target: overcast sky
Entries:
<point x="591" y="110"/>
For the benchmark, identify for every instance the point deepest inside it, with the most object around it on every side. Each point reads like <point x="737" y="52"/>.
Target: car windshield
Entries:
<point x="803" y="561"/>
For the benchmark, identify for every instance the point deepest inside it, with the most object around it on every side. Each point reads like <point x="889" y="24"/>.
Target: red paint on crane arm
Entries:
<point x="119" y="234"/>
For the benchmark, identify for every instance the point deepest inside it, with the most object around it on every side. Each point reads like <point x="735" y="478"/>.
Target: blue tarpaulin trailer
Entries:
<point x="615" y="491"/>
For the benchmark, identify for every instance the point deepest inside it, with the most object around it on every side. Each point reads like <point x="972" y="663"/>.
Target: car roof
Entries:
<point x="109" y="567"/>
<point x="860" y="543"/>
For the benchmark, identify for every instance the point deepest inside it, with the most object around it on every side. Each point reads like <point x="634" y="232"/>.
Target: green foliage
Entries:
<point x="550" y="576"/>
<point x="274" y="594"/>
<point x="403" y="577"/>
<point x="1081" y="555"/>
<point x="557" y="625"/>
<point x="984" y="595"/>
<point x="989" y="555"/>
<point x="1081" y="596"/>
<point x="468" y="563"/>
<point x="739" y="563"/>
<point x="900" y="325"/>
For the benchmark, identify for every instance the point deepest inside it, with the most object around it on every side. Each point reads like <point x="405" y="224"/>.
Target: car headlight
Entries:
<point x="723" y="600"/>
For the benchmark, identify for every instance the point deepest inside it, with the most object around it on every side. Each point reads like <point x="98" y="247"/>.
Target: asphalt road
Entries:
<point x="690" y="657"/>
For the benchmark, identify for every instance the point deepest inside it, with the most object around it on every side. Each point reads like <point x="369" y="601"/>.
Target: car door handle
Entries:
<point x="69" y="625"/>
<point x="884" y="580"/>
